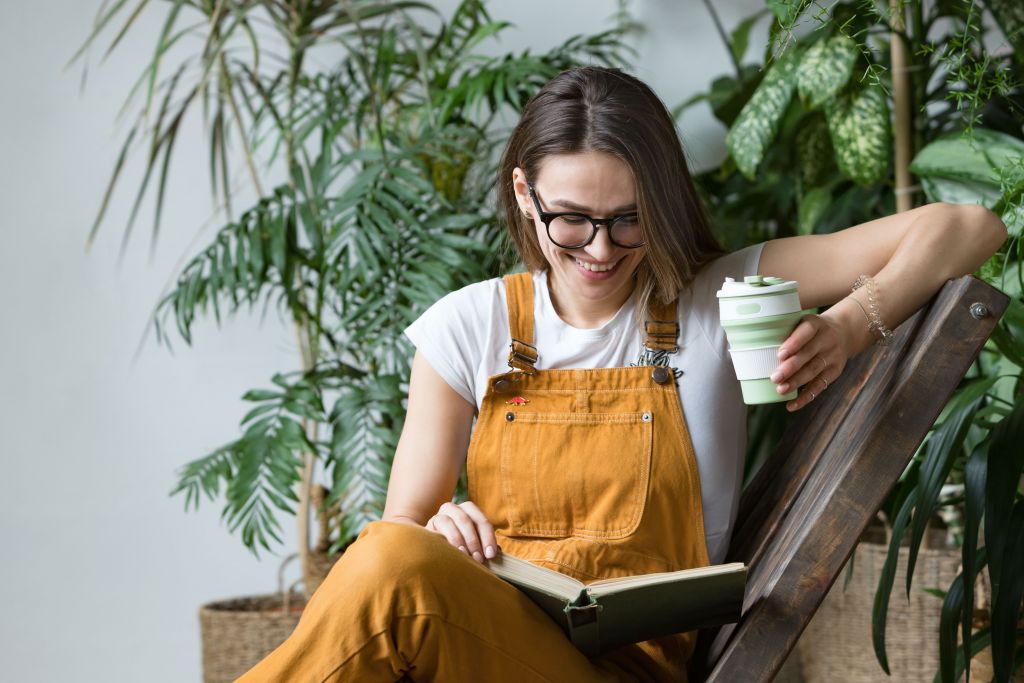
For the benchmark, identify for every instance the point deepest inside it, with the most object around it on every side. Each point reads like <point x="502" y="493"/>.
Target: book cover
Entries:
<point x="611" y="612"/>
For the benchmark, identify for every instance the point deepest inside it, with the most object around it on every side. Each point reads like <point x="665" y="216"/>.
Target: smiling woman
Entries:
<point x="589" y="283"/>
<point x="587" y="455"/>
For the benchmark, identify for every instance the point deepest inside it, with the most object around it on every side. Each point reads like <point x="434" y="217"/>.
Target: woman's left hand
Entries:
<point x="812" y="357"/>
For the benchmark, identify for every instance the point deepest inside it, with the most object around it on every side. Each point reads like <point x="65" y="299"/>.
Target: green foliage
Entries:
<point x="260" y="469"/>
<point x="858" y="123"/>
<point x="815" y="152"/>
<point x="385" y="121"/>
<point x="822" y="162"/>
<point x="1009" y="14"/>
<point x="825" y="70"/>
<point x="758" y="122"/>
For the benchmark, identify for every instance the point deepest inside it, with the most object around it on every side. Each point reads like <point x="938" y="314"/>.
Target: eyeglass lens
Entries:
<point x="574" y="230"/>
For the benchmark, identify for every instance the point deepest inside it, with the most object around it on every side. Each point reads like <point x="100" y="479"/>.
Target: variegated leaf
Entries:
<point x="1009" y="14"/>
<point x="811" y="208"/>
<point x="814" y="150"/>
<point x="858" y="123"/>
<point x="825" y="69"/>
<point x="758" y="122"/>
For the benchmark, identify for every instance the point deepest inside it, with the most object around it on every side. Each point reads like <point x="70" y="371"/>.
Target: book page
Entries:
<point x="609" y="586"/>
<point x="517" y="571"/>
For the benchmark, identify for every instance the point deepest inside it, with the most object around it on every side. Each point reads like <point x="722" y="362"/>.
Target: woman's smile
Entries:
<point x="594" y="270"/>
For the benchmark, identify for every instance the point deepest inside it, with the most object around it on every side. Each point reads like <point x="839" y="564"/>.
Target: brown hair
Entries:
<point x="605" y="110"/>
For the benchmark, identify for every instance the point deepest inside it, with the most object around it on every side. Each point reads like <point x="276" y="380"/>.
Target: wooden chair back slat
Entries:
<point x="803" y="512"/>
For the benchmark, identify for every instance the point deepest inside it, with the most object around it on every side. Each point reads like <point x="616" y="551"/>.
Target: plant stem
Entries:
<point x="306" y="337"/>
<point x="901" y="103"/>
<point x="725" y="39"/>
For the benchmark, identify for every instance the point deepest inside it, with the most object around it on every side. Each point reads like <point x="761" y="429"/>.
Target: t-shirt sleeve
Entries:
<point x="709" y="280"/>
<point x="452" y="333"/>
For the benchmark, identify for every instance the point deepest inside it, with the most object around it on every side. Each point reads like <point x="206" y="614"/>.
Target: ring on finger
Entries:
<point x="813" y="395"/>
<point x="824" y="363"/>
<point x="822" y="378"/>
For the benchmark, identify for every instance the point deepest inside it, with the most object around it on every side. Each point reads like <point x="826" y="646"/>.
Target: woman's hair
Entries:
<point x="593" y="109"/>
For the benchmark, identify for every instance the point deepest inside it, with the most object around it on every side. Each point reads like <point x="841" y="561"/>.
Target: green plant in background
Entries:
<point x="382" y="118"/>
<point x="810" y="151"/>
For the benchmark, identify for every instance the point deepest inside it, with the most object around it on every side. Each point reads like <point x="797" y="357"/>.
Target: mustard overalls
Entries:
<point x="590" y="472"/>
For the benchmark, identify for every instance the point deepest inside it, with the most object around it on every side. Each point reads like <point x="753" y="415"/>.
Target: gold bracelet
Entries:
<point x="875" y="324"/>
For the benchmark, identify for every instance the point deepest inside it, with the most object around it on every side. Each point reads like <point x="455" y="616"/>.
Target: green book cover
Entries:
<point x="612" y="612"/>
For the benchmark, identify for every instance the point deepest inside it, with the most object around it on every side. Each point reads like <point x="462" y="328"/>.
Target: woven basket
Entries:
<point x="836" y="646"/>
<point x="238" y="633"/>
<point x="981" y="663"/>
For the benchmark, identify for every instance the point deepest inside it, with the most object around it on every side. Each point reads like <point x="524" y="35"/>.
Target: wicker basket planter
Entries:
<point x="238" y="633"/>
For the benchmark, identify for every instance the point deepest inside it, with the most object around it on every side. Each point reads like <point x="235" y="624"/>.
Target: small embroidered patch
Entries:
<point x="517" y="401"/>
<point x="657" y="358"/>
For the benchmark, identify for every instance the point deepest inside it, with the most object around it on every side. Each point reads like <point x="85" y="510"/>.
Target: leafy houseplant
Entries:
<point x="811" y="134"/>
<point x="384" y="121"/>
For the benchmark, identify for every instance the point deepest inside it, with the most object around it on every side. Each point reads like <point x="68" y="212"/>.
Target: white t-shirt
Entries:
<point x="465" y="338"/>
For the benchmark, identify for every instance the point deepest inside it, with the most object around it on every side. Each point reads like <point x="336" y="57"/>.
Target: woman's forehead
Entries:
<point x="594" y="180"/>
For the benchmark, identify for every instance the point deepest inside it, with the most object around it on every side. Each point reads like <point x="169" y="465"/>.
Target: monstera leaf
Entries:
<point x="825" y="70"/>
<point x="858" y="123"/>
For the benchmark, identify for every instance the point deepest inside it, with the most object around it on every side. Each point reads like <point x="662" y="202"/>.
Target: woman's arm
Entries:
<point x="427" y="463"/>
<point x="910" y="255"/>
<point x="432" y="447"/>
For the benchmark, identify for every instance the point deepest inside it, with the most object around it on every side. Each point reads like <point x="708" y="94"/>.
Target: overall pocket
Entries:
<point x="576" y="474"/>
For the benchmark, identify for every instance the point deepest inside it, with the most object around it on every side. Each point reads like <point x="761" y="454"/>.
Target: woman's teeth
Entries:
<point x="594" y="267"/>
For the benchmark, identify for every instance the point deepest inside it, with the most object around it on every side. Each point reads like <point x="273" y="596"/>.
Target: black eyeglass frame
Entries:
<point x="547" y="216"/>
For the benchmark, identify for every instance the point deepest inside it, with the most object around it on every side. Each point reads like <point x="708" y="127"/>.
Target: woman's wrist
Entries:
<point x="854" y="329"/>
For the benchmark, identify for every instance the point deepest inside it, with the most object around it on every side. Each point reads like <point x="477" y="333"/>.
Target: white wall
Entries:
<point x="102" y="573"/>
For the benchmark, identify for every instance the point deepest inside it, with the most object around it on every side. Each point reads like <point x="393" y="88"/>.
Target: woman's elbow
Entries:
<point x="964" y="237"/>
<point x="985" y="231"/>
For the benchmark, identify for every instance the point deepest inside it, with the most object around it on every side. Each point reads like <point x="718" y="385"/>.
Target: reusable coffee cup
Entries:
<point x="757" y="315"/>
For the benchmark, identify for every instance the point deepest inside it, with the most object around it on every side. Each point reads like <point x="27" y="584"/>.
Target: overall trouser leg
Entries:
<point x="402" y="601"/>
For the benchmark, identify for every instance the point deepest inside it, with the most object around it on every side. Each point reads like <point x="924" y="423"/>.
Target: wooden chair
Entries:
<point x="801" y="515"/>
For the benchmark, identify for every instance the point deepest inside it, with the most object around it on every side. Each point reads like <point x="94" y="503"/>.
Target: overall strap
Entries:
<point x="661" y="326"/>
<point x="519" y="297"/>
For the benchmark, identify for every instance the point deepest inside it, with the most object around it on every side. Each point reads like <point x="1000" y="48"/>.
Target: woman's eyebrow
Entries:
<point x="573" y="206"/>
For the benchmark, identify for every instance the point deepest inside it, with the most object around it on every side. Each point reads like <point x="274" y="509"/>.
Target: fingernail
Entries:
<point x="783" y="388"/>
<point x="477" y="556"/>
<point x="776" y="376"/>
<point x="783" y="353"/>
<point x="489" y="551"/>
<point x="463" y="549"/>
<point x="791" y="406"/>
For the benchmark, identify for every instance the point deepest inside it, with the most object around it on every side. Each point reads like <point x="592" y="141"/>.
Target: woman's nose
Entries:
<point x="601" y="248"/>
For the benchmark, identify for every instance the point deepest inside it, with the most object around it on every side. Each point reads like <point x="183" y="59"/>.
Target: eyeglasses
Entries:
<point x="572" y="230"/>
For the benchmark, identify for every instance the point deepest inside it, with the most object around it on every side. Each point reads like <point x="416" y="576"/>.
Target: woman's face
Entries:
<point x="601" y="186"/>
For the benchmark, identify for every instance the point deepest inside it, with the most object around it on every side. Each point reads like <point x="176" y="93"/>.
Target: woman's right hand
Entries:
<point x="466" y="527"/>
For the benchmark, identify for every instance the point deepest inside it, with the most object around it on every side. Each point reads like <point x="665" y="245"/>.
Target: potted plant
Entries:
<point x="382" y="118"/>
<point x="825" y="131"/>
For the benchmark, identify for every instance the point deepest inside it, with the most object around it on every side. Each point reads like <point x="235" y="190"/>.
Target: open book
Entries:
<point x="611" y="612"/>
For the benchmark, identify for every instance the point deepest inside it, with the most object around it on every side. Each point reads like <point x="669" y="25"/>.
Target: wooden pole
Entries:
<point x="901" y="103"/>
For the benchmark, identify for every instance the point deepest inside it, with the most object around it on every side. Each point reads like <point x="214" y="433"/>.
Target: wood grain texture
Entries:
<point x="802" y="514"/>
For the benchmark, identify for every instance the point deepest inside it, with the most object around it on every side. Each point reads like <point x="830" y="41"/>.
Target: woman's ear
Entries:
<point x="522" y="192"/>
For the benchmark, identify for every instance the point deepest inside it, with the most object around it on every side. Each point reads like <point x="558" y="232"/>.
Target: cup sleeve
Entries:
<point x="707" y="283"/>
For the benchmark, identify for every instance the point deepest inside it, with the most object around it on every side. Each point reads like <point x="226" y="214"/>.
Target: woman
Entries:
<point x="581" y="459"/>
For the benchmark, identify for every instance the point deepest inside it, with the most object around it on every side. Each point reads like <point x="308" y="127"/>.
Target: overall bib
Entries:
<point x="590" y="472"/>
